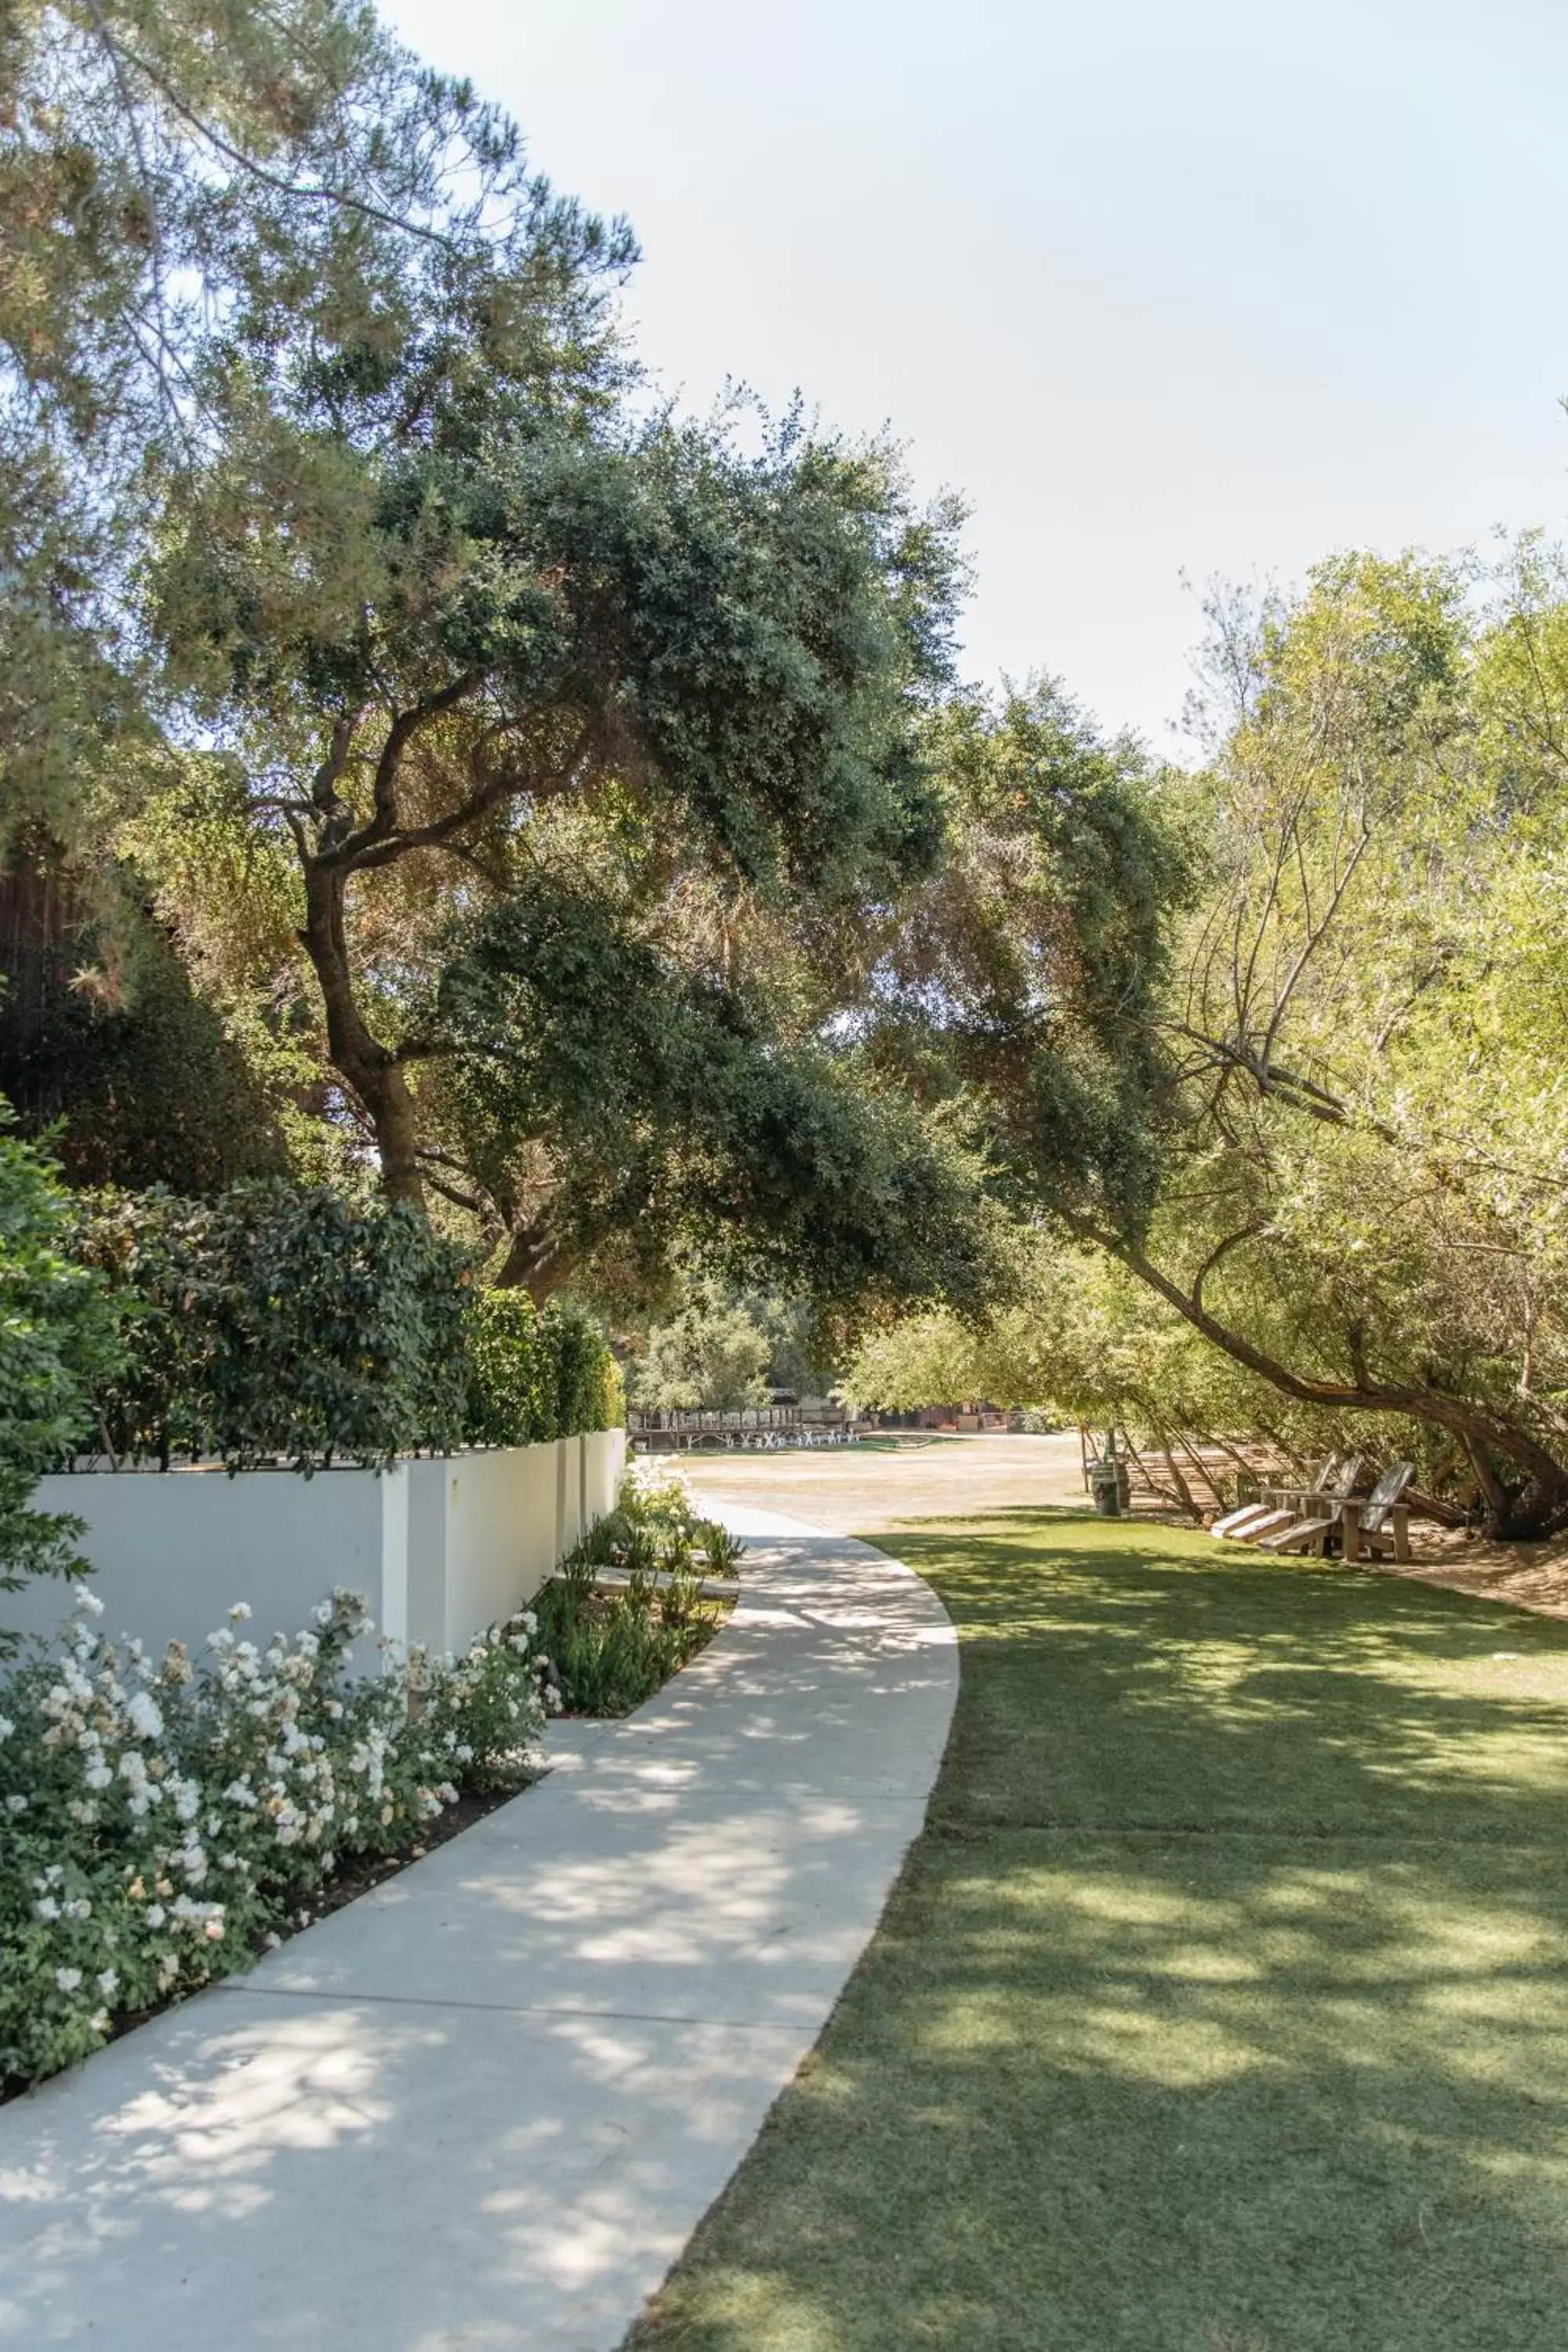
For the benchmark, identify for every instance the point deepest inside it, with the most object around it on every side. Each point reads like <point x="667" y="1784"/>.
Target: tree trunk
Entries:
<point x="1537" y="1506"/>
<point x="369" y="1068"/>
<point x="535" y="1262"/>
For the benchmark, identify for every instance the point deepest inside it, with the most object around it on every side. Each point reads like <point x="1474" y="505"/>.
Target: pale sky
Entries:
<point x="1211" y="287"/>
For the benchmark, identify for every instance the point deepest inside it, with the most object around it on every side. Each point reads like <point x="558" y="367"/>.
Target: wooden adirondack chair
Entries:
<point x="1285" y="1508"/>
<point x="1307" y="1517"/>
<point x="1235" y="1522"/>
<point x="1379" y="1526"/>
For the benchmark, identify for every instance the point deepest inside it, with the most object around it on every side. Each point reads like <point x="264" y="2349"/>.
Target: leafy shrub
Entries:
<point x="723" y="1552"/>
<point x="279" y="1322"/>
<point x="57" y="1344"/>
<point x="503" y="1369"/>
<point x="580" y="1387"/>
<point x="607" y="1405"/>
<point x="537" y="1373"/>
<point x="162" y="1824"/>
<point x="610" y="1650"/>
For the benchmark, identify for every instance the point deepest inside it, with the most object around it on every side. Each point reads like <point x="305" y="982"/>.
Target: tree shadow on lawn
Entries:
<point x="1222" y="2007"/>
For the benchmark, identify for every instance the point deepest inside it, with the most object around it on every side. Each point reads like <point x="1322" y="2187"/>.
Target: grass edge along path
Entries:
<point x="1222" y="2005"/>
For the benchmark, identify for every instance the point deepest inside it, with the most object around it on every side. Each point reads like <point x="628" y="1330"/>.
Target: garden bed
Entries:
<point x="168" y="1824"/>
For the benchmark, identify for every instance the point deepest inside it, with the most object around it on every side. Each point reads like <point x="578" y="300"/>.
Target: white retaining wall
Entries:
<point x="440" y="1549"/>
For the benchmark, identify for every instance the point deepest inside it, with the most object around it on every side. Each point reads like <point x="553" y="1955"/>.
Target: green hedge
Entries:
<point x="281" y="1323"/>
<point x="538" y="1373"/>
<point x="58" y="1346"/>
<point x="278" y="1323"/>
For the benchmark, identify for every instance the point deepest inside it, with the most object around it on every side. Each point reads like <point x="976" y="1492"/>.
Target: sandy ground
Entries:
<point x="1529" y="1575"/>
<point x="868" y="1490"/>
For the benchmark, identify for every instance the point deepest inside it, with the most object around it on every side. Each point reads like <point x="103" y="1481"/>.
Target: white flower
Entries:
<point x="46" y="1908"/>
<point x="143" y="1715"/>
<point x="155" y="1915"/>
<point x="239" y="1612"/>
<point x="7" y="1726"/>
<point x="322" y="1612"/>
<point x="16" y="1803"/>
<point x="98" y="1775"/>
<point x="67" y="1979"/>
<point x="108" y="1982"/>
<point x="87" y="1602"/>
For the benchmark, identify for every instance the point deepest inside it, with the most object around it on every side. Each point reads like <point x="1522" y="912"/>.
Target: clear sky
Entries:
<point x="1211" y="287"/>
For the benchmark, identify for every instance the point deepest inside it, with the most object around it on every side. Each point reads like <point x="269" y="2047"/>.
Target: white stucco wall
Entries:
<point x="482" y="1539"/>
<point x="440" y="1549"/>
<point x="170" y="1551"/>
<point x="603" y="1463"/>
<point x="568" y="1494"/>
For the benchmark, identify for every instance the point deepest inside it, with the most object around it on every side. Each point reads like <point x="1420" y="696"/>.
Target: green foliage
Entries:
<point x="536" y="1374"/>
<point x="59" y="1345"/>
<point x="193" y="195"/>
<point x="118" y="1056"/>
<point x="1024" y="982"/>
<point x="683" y="1107"/>
<point x="1351" y="1216"/>
<point x="716" y="1354"/>
<point x="1085" y="1341"/>
<point x="278" y="1323"/>
<point x="609" y="1651"/>
<point x="163" y="1822"/>
<point x="505" y="1405"/>
<point x="580" y="1052"/>
<point x="722" y="1551"/>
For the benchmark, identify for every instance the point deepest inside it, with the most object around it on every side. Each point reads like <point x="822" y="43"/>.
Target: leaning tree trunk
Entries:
<point x="1536" y="1506"/>
<point x="371" y="1070"/>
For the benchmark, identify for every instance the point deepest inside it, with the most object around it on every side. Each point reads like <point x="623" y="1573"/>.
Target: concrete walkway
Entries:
<point x="481" y="2109"/>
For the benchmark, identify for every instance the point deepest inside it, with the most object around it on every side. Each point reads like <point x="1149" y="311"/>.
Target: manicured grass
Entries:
<point x="1223" y="2005"/>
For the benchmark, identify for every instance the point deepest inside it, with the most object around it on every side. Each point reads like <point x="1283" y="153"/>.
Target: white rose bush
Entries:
<point x="162" y="1821"/>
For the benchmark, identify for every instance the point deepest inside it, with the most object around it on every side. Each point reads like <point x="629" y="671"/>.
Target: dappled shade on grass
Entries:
<point x="1223" y="2005"/>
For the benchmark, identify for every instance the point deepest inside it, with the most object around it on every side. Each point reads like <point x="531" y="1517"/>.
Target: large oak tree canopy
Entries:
<point x="689" y="680"/>
<point x="568" y="803"/>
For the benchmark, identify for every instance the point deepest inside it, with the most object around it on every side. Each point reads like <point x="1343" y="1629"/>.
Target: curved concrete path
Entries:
<point x="481" y="2109"/>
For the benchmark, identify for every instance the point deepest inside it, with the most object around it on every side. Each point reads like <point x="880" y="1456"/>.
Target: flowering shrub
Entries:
<point x="160" y="1821"/>
<point x="656" y="1496"/>
<point x="657" y="1491"/>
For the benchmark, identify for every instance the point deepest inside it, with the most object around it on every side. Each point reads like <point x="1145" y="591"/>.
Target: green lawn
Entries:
<point x="1222" y="2007"/>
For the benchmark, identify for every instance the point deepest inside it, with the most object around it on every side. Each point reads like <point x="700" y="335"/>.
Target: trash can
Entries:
<point x="1108" y="1486"/>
